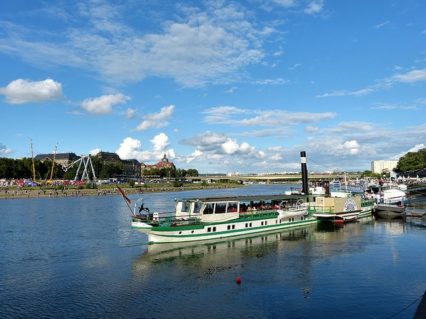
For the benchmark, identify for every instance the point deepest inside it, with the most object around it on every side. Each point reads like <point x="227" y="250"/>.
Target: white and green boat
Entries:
<point x="221" y="217"/>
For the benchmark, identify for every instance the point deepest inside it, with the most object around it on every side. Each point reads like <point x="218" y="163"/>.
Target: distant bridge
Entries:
<point x="279" y="177"/>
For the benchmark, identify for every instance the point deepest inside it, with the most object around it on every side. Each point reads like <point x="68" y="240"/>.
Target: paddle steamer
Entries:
<point x="222" y="217"/>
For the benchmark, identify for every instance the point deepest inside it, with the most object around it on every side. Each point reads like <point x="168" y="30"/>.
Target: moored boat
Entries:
<point x="222" y="217"/>
<point x="341" y="209"/>
<point x="390" y="211"/>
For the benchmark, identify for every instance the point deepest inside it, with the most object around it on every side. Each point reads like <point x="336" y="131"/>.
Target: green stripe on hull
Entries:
<point x="237" y="232"/>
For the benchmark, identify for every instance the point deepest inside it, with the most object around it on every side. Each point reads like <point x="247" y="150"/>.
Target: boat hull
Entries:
<point x="389" y="211"/>
<point x="220" y="231"/>
<point x="338" y="218"/>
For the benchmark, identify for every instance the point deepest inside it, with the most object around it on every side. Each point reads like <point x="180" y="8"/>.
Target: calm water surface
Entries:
<point x="78" y="258"/>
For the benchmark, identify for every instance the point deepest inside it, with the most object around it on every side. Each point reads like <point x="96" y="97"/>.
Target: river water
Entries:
<point x="79" y="258"/>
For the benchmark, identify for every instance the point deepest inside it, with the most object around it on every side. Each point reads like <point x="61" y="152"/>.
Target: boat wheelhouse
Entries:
<point x="222" y="217"/>
<point x="341" y="209"/>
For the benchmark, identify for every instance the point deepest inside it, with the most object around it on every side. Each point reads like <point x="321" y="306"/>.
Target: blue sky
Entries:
<point x="220" y="86"/>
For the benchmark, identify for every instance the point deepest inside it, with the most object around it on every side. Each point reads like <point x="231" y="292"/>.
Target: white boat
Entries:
<point x="221" y="217"/>
<point x="387" y="194"/>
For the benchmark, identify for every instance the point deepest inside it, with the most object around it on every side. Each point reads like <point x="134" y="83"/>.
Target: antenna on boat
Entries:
<point x="305" y="186"/>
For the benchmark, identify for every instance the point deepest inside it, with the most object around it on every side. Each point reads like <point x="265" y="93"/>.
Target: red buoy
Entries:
<point x="238" y="280"/>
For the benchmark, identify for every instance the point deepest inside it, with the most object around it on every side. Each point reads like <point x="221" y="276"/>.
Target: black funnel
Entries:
<point x="305" y="186"/>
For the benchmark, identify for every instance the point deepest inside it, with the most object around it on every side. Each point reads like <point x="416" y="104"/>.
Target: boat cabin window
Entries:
<point x="186" y="206"/>
<point x="208" y="209"/>
<point x="220" y="208"/>
<point x="197" y="207"/>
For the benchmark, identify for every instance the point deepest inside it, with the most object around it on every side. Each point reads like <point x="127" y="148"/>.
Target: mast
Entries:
<point x="32" y="157"/>
<point x="53" y="162"/>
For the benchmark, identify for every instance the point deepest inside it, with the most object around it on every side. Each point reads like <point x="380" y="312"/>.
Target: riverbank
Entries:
<point x="49" y="192"/>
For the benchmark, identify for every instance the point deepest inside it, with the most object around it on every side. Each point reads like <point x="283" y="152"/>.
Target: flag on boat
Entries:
<point x="127" y="199"/>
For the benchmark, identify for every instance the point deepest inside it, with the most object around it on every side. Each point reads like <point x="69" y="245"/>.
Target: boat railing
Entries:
<point x="312" y="209"/>
<point x="257" y="211"/>
<point x="368" y="202"/>
<point x="259" y="214"/>
<point x="167" y="218"/>
<point x="270" y="210"/>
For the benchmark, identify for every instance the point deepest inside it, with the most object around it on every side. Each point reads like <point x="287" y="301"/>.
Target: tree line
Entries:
<point x="412" y="161"/>
<point x="22" y="168"/>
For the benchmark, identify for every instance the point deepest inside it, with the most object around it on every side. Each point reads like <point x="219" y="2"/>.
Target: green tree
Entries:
<point x="7" y="168"/>
<point x="181" y="172"/>
<point x="370" y="174"/>
<point x="111" y="170"/>
<point x="151" y="172"/>
<point x="412" y="161"/>
<point x="192" y="172"/>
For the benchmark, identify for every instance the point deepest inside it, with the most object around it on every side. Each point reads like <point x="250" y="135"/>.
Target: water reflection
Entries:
<point x="394" y="227"/>
<point x="247" y="246"/>
<point x="313" y="241"/>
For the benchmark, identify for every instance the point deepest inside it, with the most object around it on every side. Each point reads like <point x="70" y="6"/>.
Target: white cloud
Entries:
<point x="22" y="91"/>
<point x="311" y="129"/>
<point x="268" y="132"/>
<point x="342" y="146"/>
<point x="246" y="117"/>
<point x="103" y="104"/>
<point x="387" y="106"/>
<point x="4" y="150"/>
<point x="314" y="7"/>
<point x="408" y="77"/>
<point x="230" y="146"/>
<point x="95" y="151"/>
<point x="352" y="126"/>
<point x="193" y="156"/>
<point x="219" y="149"/>
<point x="131" y="148"/>
<point x="335" y="146"/>
<point x="231" y="89"/>
<point x="208" y="44"/>
<point x="295" y="66"/>
<point x="381" y="25"/>
<point x="207" y="141"/>
<point x="222" y="114"/>
<point x="411" y="76"/>
<point x="352" y="147"/>
<point x="278" y="81"/>
<point x="285" y="3"/>
<point x="157" y="120"/>
<point x="160" y="142"/>
<point x="130" y="113"/>
<point x="360" y="92"/>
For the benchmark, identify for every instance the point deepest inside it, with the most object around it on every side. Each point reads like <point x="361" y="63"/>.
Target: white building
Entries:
<point x="383" y="165"/>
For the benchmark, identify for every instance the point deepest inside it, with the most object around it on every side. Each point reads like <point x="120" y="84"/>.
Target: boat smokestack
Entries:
<point x="305" y="186"/>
